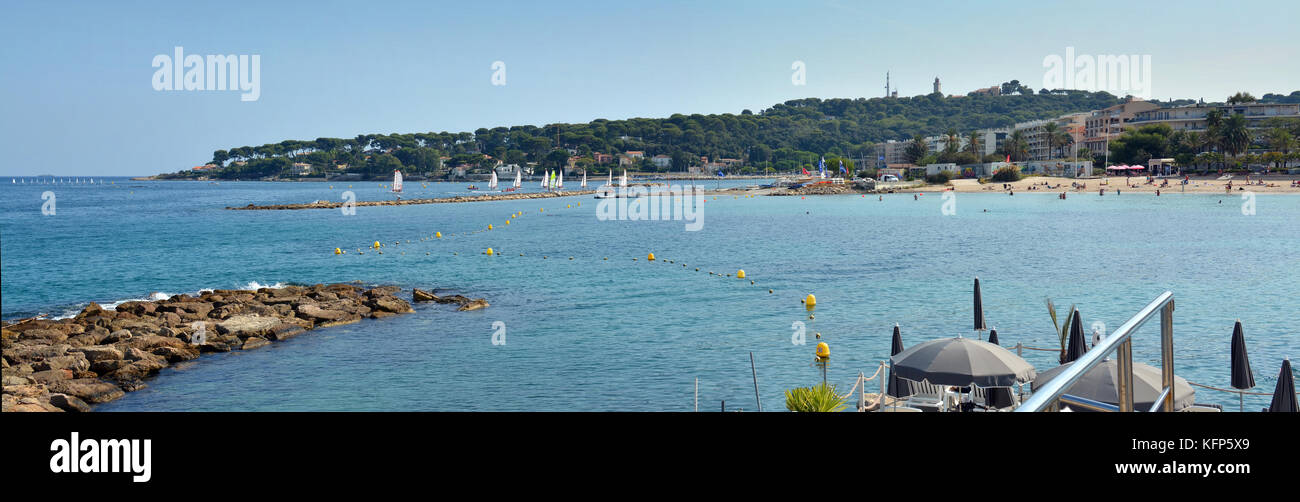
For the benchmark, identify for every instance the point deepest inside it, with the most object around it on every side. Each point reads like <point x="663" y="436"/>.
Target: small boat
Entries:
<point x="492" y="185"/>
<point x="559" y="183"/>
<point x="397" y="181"/>
<point x="584" y="179"/>
<point x="471" y="187"/>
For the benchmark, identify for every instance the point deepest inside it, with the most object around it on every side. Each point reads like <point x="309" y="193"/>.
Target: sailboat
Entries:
<point x="559" y="183"/>
<point x="584" y="179"/>
<point x="545" y="177"/>
<point x="518" y="181"/>
<point x="492" y="185"/>
<point x="622" y="182"/>
<point x="397" y="181"/>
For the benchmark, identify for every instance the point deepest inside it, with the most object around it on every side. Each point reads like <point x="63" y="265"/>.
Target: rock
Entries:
<point x="254" y="342"/>
<point x="69" y="403"/>
<point x="47" y="336"/>
<point x="244" y="326"/>
<point x="285" y="331"/>
<point x="318" y="314"/>
<point x="382" y="291"/>
<point x="88" y="389"/>
<point x="474" y="305"/>
<point x="74" y="362"/>
<point x="141" y="326"/>
<point x="390" y="304"/>
<point x="28" y="353"/>
<point x="106" y="366"/>
<point x="131" y="384"/>
<point x="117" y="336"/>
<point x="89" y="339"/>
<point x="90" y="310"/>
<point x="50" y="376"/>
<point x="150" y="342"/>
<point x="420" y="295"/>
<point x="176" y="355"/>
<point x="347" y="320"/>
<point x="137" y="308"/>
<point x="99" y="353"/>
<point x="139" y="369"/>
<point x="11" y="380"/>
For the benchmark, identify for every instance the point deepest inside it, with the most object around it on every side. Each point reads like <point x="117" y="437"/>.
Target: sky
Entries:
<point x="80" y="100"/>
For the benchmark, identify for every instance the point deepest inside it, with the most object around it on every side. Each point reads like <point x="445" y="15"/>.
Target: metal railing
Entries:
<point x="1119" y="341"/>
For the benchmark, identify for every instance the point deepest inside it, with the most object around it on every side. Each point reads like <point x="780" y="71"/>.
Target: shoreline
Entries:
<point x="99" y="355"/>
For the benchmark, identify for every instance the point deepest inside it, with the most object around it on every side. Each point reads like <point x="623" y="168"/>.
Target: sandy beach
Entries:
<point x="1272" y="184"/>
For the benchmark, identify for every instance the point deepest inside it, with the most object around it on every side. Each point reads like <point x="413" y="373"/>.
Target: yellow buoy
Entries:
<point x="507" y="222"/>
<point x="740" y="274"/>
<point x="650" y="257"/>
<point x="490" y="252"/>
<point x="438" y="235"/>
<point x="810" y="302"/>
<point x="376" y="245"/>
<point x="568" y="206"/>
<point x="823" y="350"/>
<point x="489" y="226"/>
<point x="541" y="210"/>
<point x="338" y="251"/>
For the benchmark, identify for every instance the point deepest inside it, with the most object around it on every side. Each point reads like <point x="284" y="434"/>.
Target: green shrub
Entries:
<point x="818" y="398"/>
<point x="1006" y="174"/>
<point x="940" y="178"/>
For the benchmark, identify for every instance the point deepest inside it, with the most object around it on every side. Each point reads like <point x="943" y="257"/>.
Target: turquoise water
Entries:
<point x="591" y="334"/>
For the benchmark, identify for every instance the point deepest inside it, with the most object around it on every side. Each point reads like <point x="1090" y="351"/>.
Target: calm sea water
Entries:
<point x="618" y="334"/>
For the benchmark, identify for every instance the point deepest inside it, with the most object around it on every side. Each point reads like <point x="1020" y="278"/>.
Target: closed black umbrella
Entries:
<point x="1076" y="346"/>
<point x="897" y="347"/>
<point x="979" y="309"/>
<point x="993" y="336"/>
<point x="998" y="397"/>
<point x="1284" y="393"/>
<point x="1242" y="377"/>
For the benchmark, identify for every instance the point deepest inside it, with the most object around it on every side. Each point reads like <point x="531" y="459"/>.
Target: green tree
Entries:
<point x="1236" y="135"/>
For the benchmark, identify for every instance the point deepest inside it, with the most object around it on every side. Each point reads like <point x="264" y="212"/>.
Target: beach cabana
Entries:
<point x="1099" y="384"/>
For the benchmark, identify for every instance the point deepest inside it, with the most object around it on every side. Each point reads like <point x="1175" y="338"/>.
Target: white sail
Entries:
<point x="545" y="178"/>
<point x="397" y="181"/>
<point x="610" y="183"/>
<point x="622" y="182"/>
<point x="584" y="179"/>
<point x="519" y="179"/>
<point x="492" y="185"/>
<point x="559" y="183"/>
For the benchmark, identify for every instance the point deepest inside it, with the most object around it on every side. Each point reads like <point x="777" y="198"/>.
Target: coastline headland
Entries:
<point x="100" y="354"/>
<point x="321" y="204"/>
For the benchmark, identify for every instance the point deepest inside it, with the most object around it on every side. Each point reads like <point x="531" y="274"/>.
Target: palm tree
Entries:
<point x="1050" y="130"/>
<point x="1236" y="136"/>
<point x="1016" y="146"/>
<point x="951" y="141"/>
<point x="972" y="144"/>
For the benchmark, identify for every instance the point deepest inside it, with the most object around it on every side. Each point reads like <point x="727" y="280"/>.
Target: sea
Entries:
<point x="585" y="322"/>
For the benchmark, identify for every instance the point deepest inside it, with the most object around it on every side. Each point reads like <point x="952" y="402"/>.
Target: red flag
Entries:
<point x="1008" y="157"/>
<point x="805" y="171"/>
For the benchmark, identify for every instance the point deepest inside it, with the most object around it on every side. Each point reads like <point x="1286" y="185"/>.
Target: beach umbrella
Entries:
<point x="1076" y="346"/>
<point x="993" y="336"/>
<point x="979" y="309"/>
<point x="893" y="351"/>
<point x="1242" y="377"/>
<point x="1284" y="393"/>
<point x="998" y="397"/>
<point x="962" y="362"/>
<point x="1099" y="384"/>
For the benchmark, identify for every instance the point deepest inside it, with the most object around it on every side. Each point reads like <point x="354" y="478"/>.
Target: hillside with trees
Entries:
<point x="783" y="138"/>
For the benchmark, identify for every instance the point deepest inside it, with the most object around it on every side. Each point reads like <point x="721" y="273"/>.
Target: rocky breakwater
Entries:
<point x="324" y="204"/>
<point x="100" y="354"/>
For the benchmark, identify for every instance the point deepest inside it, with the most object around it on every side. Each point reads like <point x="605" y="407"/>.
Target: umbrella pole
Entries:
<point x="1241" y="401"/>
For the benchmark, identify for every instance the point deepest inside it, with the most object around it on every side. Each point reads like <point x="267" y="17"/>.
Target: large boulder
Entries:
<point x="89" y="390"/>
<point x="30" y="353"/>
<point x="390" y="304"/>
<point x="99" y="353"/>
<point x="244" y="326"/>
<point x="75" y="361"/>
<point x="69" y="403"/>
<point x="317" y="314"/>
<point x="420" y="295"/>
<point x="137" y="308"/>
<point x="254" y="342"/>
<point x="47" y="336"/>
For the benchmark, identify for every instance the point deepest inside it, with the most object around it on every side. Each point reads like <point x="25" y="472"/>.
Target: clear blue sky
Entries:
<point x="78" y="98"/>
